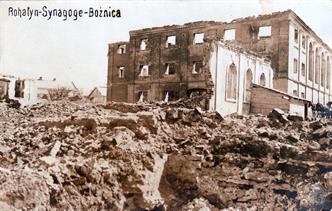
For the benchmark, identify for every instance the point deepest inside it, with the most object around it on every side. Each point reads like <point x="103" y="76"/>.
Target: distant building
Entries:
<point x="98" y="95"/>
<point x="4" y="85"/>
<point x="171" y="62"/>
<point x="29" y="91"/>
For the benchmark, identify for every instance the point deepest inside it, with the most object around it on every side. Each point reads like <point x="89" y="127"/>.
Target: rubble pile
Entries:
<point x="76" y="156"/>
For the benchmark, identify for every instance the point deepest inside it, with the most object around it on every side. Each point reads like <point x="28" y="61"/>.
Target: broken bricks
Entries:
<point x="159" y="157"/>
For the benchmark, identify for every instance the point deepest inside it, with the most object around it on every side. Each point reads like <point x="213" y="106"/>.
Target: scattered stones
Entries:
<point x="316" y="125"/>
<point x="278" y="114"/>
<point x="295" y="117"/>
<point x="75" y="156"/>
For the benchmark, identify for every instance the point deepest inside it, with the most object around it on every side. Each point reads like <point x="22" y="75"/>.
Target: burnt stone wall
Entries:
<point x="185" y="53"/>
<point x="157" y="55"/>
<point x="117" y="89"/>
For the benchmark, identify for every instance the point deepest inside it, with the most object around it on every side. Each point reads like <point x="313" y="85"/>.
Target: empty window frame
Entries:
<point x="170" y="41"/>
<point x="143" y="44"/>
<point x="296" y="35"/>
<point x="169" y="69"/>
<point x="121" y="70"/>
<point x="295" y="66"/>
<point x="142" y="96"/>
<point x="302" y="69"/>
<point x="264" y="32"/>
<point x="229" y="34"/>
<point x="169" y="95"/>
<point x="231" y="82"/>
<point x="262" y="80"/>
<point x="144" y="70"/>
<point x="248" y="85"/>
<point x="198" y="38"/>
<point x="195" y="92"/>
<point x="19" y="88"/>
<point x="121" y="49"/>
<point x="197" y="67"/>
<point x="311" y="62"/>
<point x="303" y="42"/>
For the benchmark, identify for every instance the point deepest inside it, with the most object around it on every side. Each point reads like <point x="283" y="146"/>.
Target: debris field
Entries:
<point x="79" y="156"/>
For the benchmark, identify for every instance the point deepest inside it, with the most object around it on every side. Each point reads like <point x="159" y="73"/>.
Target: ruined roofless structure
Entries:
<point x="300" y="60"/>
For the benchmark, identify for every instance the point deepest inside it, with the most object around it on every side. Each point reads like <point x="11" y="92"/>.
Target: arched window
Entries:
<point x="262" y="80"/>
<point x="248" y="86"/>
<point x="317" y="66"/>
<point x="311" y="62"/>
<point x="248" y="79"/>
<point x="322" y="72"/>
<point x="231" y="82"/>
<point x="328" y="73"/>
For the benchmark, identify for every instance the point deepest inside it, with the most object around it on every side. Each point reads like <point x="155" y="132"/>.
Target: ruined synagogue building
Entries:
<point x="225" y="60"/>
<point x="61" y="151"/>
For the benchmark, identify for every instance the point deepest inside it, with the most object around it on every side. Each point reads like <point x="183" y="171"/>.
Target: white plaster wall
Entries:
<point x="315" y="96"/>
<point x="321" y="97"/>
<point x="226" y="58"/>
<point x="221" y="58"/>
<point x="296" y="109"/>
<point x="301" y="90"/>
<point x="11" y="88"/>
<point x="326" y="98"/>
<point x="30" y="91"/>
<point x="292" y="86"/>
<point x="308" y="93"/>
<point x="309" y="82"/>
<point x="302" y="55"/>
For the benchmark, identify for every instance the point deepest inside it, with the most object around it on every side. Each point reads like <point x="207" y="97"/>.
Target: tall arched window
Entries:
<point x="328" y="73"/>
<point x="248" y="86"/>
<point x="317" y="66"/>
<point x="311" y="62"/>
<point x="322" y="72"/>
<point x="262" y="80"/>
<point x="231" y="82"/>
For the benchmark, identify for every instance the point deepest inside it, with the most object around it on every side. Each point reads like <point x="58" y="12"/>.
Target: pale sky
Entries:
<point x="77" y="50"/>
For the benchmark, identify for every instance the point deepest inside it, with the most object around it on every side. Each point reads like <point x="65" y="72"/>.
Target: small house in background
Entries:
<point x="4" y="85"/>
<point x="30" y="91"/>
<point x="54" y="89"/>
<point x="98" y="95"/>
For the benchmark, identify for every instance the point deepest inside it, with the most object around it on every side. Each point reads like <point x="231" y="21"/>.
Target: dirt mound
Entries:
<point x="76" y="156"/>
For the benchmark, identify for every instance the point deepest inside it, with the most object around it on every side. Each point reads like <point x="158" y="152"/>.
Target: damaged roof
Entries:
<point x="214" y="23"/>
<point x="288" y="13"/>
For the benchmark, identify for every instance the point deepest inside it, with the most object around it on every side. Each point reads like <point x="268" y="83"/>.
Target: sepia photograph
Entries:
<point x="166" y="105"/>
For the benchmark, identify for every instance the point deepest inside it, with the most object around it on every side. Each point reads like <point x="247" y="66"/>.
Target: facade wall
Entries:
<point x="33" y="90"/>
<point x="300" y="46"/>
<point x="117" y="87"/>
<point x="222" y="58"/>
<point x="278" y="44"/>
<point x="274" y="46"/>
<point x="156" y="55"/>
<point x="183" y="54"/>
